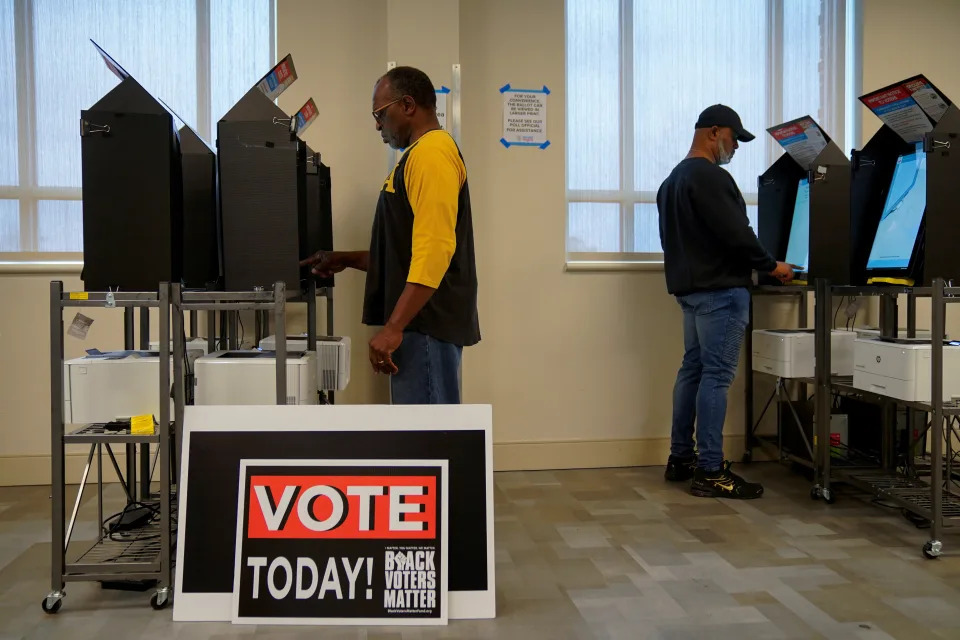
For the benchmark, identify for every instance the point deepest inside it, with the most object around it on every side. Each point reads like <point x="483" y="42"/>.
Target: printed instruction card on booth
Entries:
<point x="802" y="139"/>
<point x="911" y="108"/>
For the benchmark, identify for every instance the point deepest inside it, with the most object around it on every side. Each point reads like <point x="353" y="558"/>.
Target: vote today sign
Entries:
<point x="341" y="542"/>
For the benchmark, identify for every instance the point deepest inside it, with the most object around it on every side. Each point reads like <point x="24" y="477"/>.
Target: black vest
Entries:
<point x="451" y="312"/>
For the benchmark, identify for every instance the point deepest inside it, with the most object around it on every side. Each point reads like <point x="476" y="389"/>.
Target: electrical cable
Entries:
<point x="837" y="312"/>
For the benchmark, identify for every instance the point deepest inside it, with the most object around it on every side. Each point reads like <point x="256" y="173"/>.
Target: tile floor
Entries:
<point x="612" y="553"/>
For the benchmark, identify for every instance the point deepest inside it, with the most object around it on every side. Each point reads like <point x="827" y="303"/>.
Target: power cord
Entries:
<point x="837" y="312"/>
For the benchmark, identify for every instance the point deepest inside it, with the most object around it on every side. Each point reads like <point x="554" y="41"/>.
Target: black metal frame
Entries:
<point x="137" y="557"/>
<point x="927" y="500"/>
<point x="146" y="553"/>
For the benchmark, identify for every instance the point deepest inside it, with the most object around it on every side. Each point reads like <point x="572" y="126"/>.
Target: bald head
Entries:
<point x="408" y="81"/>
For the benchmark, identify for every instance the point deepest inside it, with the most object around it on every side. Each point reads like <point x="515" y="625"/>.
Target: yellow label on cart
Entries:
<point x="904" y="282"/>
<point x="141" y="425"/>
<point x="79" y="295"/>
<point x="814" y="440"/>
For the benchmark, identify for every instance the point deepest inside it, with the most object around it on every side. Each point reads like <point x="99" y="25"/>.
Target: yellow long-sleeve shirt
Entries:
<point x="433" y="178"/>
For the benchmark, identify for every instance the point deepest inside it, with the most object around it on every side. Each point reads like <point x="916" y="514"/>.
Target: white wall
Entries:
<point x="339" y="49"/>
<point x="579" y="367"/>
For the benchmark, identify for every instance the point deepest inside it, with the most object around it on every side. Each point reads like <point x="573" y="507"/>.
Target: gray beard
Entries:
<point x="722" y="156"/>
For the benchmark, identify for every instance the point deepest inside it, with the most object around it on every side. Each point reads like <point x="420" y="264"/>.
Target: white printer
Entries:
<point x="333" y="358"/>
<point x="900" y="368"/>
<point x="249" y="377"/>
<point x="790" y="353"/>
<point x="101" y="387"/>
<point x="873" y="332"/>
<point x="192" y="343"/>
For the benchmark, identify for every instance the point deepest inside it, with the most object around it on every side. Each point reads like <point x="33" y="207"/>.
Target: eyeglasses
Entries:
<point x="378" y="113"/>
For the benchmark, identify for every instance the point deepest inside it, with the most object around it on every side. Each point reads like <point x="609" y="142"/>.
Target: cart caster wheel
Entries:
<point x="52" y="603"/>
<point x="747" y="457"/>
<point x="932" y="549"/>
<point x="828" y="496"/>
<point x="815" y="493"/>
<point x="160" y="599"/>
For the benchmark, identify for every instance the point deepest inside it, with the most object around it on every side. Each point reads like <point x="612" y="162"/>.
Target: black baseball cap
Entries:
<point x="720" y="115"/>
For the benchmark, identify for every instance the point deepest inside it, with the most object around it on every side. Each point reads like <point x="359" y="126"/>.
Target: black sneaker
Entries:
<point x="680" y="469"/>
<point x="724" y="484"/>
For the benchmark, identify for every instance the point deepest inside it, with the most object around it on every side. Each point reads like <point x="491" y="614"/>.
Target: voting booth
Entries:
<point x="803" y="208"/>
<point x="905" y="179"/>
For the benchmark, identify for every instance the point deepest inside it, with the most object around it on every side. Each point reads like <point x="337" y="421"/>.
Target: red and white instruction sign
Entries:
<point x="802" y="138"/>
<point x="911" y="108"/>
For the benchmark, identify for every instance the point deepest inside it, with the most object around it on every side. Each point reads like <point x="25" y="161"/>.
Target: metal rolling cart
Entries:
<point x="933" y="500"/>
<point x="143" y="553"/>
<point x="312" y="292"/>
<point x="139" y="554"/>
<point x="230" y="304"/>
<point x="780" y="392"/>
<point x="229" y="317"/>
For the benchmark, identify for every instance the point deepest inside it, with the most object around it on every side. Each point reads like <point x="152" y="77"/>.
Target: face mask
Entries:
<point x="724" y="156"/>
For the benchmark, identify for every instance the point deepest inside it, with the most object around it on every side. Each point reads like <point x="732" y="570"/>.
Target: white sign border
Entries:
<point x="216" y="607"/>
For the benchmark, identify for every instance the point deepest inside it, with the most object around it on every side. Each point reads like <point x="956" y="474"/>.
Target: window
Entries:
<point x="198" y="56"/>
<point x="640" y="71"/>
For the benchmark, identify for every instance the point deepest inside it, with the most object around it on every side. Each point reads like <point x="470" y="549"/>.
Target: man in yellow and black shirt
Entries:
<point x="421" y="270"/>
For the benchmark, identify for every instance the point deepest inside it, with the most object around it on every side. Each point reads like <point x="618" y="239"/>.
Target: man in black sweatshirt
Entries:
<point x="709" y="253"/>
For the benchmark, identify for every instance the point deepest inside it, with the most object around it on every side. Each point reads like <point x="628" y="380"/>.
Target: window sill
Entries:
<point x="40" y="267"/>
<point x="613" y="265"/>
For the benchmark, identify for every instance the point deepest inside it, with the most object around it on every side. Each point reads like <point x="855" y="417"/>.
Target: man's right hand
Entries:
<point x="327" y="263"/>
<point x="784" y="272"/>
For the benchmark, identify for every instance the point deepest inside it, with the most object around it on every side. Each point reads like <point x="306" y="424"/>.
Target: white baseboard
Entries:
<point x="594" y="454"/>
<point x="35" y="470"/>
<point x="507" y="456"/>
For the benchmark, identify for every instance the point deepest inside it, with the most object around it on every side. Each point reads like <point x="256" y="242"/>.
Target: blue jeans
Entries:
<point x="714" y="323"/>
<point x="429" y="371"/>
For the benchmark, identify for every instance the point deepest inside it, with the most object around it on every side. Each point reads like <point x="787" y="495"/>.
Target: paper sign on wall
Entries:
<point x="442" y="94"/>
<point x="524" y="117"/>
<point x="910" y="108"/>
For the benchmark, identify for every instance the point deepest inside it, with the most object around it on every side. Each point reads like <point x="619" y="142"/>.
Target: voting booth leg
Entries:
<point x="823" y="334"/>
<point x="888" y="329"/>
<point x="53" y="601"/>
<point x="131" y="449"/>
<point x="934" y="546"/>
<point x="312" y="316"/>
<point x="179" y="358"/>
<point x="749" y="428"/>
<point x="161" y="598"/>
<point x="213" y="332"/>
<point x="279" y="312"/>
<point x="911" y="413"/>
<point x="328" y="296"/>
<point x="145" y="466"/>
